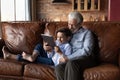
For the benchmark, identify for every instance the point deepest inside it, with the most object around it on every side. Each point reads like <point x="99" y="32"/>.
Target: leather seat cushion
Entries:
<point x="39" y="71"/>
<point x="11" y="68"/>
<point x="102" y="72"/>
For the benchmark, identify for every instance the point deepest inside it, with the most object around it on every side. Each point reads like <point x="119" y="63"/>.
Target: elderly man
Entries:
<point x="82" y="56"/>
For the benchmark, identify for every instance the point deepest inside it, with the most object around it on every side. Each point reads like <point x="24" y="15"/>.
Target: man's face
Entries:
<point x="73" y="25"/>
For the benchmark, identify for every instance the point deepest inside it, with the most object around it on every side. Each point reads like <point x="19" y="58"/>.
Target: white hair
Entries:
<point x="76" y="15"/>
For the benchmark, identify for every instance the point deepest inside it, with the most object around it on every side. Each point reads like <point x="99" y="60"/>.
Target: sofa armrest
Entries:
<point x="1" y="45"/>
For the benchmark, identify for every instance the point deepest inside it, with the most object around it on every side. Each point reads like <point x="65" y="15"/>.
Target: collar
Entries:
<point x="79" y="30"/>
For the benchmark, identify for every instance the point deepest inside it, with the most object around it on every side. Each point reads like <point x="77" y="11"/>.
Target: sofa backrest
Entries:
<point x="21" y="36"/>
<point x="108" y="34"/>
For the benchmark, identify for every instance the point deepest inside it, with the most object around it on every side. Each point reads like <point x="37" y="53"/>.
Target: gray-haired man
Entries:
<point x="82" y="56"/>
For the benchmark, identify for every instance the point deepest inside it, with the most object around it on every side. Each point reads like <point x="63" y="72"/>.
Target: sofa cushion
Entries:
<point x="21" y="36"/>
<point x="102" y="72"/>
<point x="53" y="26"/>
<point x="109" y="40"/>
<point x="39" y="71"/>
<point x="11" y="68"/>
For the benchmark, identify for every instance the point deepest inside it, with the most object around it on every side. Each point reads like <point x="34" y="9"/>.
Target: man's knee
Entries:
<point x="70" y="63"/>
<point x="58" y="68"/>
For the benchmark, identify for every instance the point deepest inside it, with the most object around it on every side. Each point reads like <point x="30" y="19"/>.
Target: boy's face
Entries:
<point x="47" y="47"/>
<point x="62" y="38"/>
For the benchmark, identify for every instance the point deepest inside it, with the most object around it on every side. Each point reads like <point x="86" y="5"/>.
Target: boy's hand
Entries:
<point x="63" y="59"/>
<point x="57" y="49"/>
<point x="47" y="47"/>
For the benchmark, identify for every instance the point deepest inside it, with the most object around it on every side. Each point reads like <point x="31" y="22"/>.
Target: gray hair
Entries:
<point x="76" y="15"/>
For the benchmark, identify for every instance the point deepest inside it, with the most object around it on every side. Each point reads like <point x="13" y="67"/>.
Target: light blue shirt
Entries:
<point x="50" y="54"/>
<point x="82" y="44"/>
<point x="66" y="50"/>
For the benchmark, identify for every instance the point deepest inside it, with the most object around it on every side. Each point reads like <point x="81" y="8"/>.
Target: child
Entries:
<point x="47" y="54"/>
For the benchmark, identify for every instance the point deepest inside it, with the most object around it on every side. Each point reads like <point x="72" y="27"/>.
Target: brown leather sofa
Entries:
<point x="23" y="36"/>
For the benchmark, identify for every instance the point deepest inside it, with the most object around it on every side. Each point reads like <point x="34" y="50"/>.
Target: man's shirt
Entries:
<point x="82" y="44"/>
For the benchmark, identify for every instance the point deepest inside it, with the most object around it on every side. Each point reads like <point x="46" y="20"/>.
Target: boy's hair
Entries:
<point x="66" y="31"/>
